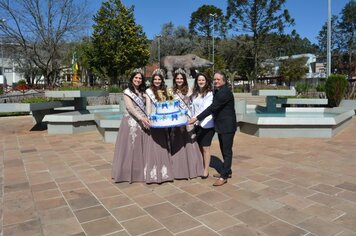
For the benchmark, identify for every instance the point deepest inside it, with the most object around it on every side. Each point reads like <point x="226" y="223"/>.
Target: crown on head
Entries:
<point x="138" y="70"/>
<point x="158" y="72"/>
<point x="179" y="71"/>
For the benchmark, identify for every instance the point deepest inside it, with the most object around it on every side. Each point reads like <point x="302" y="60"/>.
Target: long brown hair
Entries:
<point x="162" y="87"/>
<point x="207" y="87"/>
<point x="185" y="88"/>
<point x="142" y="86"/>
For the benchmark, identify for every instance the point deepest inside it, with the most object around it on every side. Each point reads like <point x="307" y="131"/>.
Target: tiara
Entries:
<point x="158" y="72"/>
<point x="138" y="70"/>
<point x="179" y="71"/>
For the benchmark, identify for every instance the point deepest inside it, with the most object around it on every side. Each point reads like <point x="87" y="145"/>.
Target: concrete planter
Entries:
<point x="348" y="104"/>
<point x="80" y="97"/>
<point x="38" y="110"/>
<point x="274" y="92"/>
<point x="75" y="94"/>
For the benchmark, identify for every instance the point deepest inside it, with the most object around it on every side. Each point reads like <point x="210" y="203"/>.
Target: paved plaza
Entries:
<point x="61" y="185"/>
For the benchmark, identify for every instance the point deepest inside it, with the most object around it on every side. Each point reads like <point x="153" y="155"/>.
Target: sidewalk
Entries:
<point x="61" y="185"/>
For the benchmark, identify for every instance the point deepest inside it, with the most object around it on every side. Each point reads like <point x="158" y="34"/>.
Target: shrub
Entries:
<point x="1" y="91"/>
<point x="22" y="86"/>
<point x="21" y="82"/>
<point x="82" y="88"/>
<point x="320" y="87"/>
<point x="115" y="89"/>
<point x="335" y="89"/>
<point x="302" y="87"/>
<point x="38" y="100"/>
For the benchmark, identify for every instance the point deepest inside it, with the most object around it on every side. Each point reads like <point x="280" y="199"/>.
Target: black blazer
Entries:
<point x="223" y="110"/>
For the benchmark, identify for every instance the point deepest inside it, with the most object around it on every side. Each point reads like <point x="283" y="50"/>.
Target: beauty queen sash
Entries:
<point x="139" y="102"/>
<point x="150" y="94"/>
<point x="184" y="105"/>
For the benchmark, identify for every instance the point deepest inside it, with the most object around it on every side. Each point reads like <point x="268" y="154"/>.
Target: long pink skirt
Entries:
<point x="187" y="160"/>
<point x="129" y="162"/>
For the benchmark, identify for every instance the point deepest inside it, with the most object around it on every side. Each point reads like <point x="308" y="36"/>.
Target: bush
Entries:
<point x="320" y="87"/>
<point x="39" y="100"/>
<point x="1" y="91"/>
<point x="82" y="88"/>
<point x="21" y="82"/>
<point x="22" y="86"/>
<point x="335" y="89"/>
<point x="238" y="89"/>
<point x="115" y="89"/>
<point x="302" y="87"/>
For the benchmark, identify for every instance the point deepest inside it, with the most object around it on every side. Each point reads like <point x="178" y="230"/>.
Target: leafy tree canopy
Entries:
<point x="293" y="69"/>
<point x="119" y="44"/>
<point x="258" y="18"/>
<point x="201" y="21"/>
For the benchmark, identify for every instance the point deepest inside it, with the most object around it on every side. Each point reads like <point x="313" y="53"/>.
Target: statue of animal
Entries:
<point x="186" y="62"/>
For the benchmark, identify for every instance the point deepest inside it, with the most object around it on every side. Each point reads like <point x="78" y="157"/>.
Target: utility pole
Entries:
<point x="2" y="21"/>
<point x="212" y="34"/>
<point x="328" y="45"/>
<point x="159" y="50"/>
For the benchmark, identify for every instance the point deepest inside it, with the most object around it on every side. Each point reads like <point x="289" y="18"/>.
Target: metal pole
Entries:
<point x="213" y="31"/>
<point x="213" y="46"/>
<point x="2" y="59"/>
<point x="2" y="21"/>
<point x="159" y="51"/>
<point x="328" y="46"/>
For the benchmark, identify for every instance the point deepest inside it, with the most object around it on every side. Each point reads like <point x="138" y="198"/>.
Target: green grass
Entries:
<point x="5" y="114"/>
<point x="73" y="88"/>
<point x="39" y="100"/>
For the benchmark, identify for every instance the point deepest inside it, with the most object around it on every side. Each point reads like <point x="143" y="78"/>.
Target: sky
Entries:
<point x="309" y="15"/>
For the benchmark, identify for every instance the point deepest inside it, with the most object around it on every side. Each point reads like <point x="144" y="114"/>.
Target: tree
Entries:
<point x="38" y="30"/>
<point x="119" y="44"/>
<point x="206" y="20"/>
<point x="347" y="26"/>
<point x="174" y="41"/>
<point x="277" y="45"/>
<point x="237" y="54"/>
<point x="201" y="21"/>
<point x="322" y="37"/>
<point x="293" y="69"/>
<point x="258" y="18"/>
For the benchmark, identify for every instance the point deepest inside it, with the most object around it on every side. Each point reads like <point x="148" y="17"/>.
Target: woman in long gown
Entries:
<point x="202" y="97"/>
<point x="158" y="164"/>
<point x="129" y="162"/>
<point x="187" y="161"/>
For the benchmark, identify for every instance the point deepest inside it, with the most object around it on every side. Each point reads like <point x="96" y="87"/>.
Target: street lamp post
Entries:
<point x="212" y="34"/>
<point x="159" y="50"/>
<point x="2" y="21"/>
<point x="328" y="44"/>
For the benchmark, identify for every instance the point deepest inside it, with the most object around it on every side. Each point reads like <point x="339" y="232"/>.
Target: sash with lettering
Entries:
<point x="184" y="105"/>
<point x="139" y="102"/>
<point x="149" y="92"/>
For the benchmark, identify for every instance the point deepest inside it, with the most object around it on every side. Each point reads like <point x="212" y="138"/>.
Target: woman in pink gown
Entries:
<point x="158" y="167"/>
<point x="187" y="161"/>
<point x="129" y="160"/>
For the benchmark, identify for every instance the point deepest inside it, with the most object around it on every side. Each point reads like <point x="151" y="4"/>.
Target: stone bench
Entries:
<point x="301" y="101"/>
<point x="108" y="129"/>
<point x="38" y="110"/>
<point x="71" y="121"/>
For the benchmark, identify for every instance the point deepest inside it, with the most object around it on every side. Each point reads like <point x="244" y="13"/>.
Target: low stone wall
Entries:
<point x="112" y="99"/>
<point x="18" y="96"/>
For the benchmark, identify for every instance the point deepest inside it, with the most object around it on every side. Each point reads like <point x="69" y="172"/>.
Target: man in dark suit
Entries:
<point x="223" y="110"/>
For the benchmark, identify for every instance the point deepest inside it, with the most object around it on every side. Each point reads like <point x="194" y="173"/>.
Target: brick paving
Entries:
<point x="60" y="185"/>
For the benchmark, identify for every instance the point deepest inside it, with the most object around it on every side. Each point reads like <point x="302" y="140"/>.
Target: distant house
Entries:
<point x="8" y="72"/>
<point x="316" y="69"/>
